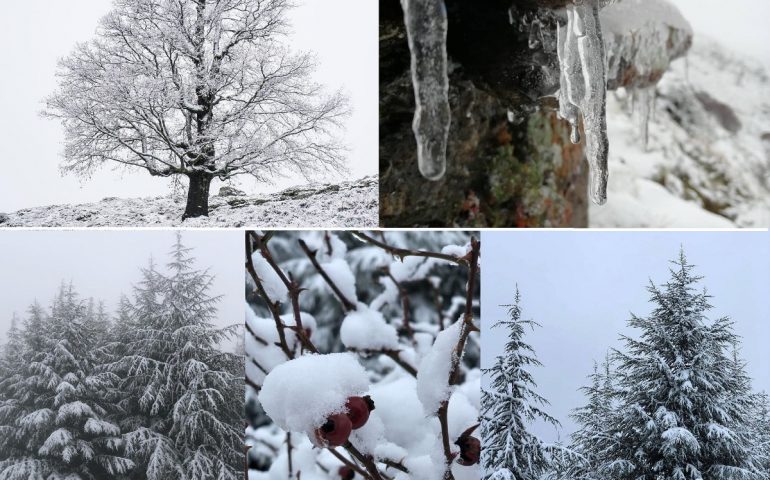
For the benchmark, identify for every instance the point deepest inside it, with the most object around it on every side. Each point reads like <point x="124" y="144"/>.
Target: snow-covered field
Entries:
<point x="704" y="167"/>
<point x="350" y="204"/>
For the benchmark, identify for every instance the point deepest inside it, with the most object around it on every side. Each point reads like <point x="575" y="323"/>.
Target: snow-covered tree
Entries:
<point x="53" y="419"/>
<point x="202" y="89"/>
<point x="182" y="397"/>
<point x="683" y="409"/>
<point x="510" y="404"/>
<point x="593" y="442"/>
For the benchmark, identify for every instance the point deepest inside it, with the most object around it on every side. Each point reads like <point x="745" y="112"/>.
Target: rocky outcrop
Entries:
<point x="510" y="161"/>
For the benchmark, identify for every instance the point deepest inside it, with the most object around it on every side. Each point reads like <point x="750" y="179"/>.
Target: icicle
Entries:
<point x="426" y="26"/>
<point x="567" y="110"/>
<point x="584" y="88"/>
<point x="644" y="98"/>
<point x="535" y="34"/>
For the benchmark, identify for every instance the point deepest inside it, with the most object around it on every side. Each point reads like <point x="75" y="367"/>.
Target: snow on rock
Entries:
<point x="349" y="204"/>
<point x="433" y="375"/>
<point x="695" y="172"/>
<point x="366" y="329"/>
<point x="341" y="275"/>
<point x="274" y="287"/>
<point x="641" y="38"/>
<point x="300" y="394"/>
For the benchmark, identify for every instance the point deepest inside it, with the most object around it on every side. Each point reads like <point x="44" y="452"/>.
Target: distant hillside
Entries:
<point x="350" y="204"/>
<point x="707" y="163"/>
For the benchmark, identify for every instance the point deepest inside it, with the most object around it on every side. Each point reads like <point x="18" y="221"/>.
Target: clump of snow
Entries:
<point x="400" y="410"/>
<point x="367" y="438"/>
<point x="458" y="251"/>
<point x="349" y="204"/>
<point x="366" y="329"/>
<point x="300" y="394"/>
<point x="340" y="274"/>
<point x="274" y="287"/>
<point x="433" y="375"/>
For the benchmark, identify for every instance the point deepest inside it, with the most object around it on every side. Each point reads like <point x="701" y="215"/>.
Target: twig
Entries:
<point x="402" y="253"/>
<point x="366" y="460"/>
<point x="347" y="305"/>
<point x="288" y="450"/>
<point x="293" y="289"/>
<point x="392" y="354"/>
<point x="272" y="306"/>
<point x="404" y="304"/>
<point x="454" y="372"/>
<point x="348" y="463"/>
<point x="395" y="465"/>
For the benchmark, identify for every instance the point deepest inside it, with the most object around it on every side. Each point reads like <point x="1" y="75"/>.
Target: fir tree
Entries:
<point x="593" y="443"/>
<point x="53" y="422"/>
<point x="510" y="404"/>
<point x="683" y="408"/>
<point x="183" y="397"/>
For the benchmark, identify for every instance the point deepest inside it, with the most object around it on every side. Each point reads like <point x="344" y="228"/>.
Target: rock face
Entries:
<point x="510" y="162"/>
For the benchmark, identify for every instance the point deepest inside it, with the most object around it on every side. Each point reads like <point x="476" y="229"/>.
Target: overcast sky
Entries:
<point x="582" y="286"/>
<point x="34" y="35"/>
<point x="739" y="24"/>
<point x="105" y="264"/>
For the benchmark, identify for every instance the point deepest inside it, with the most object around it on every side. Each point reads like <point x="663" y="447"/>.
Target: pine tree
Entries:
<point x="683" y="408"/>
<point x="510" y="404"/>
<point x="593" y="443"/>
<point x="53" y="420"/>
<point x="183" y="397"/>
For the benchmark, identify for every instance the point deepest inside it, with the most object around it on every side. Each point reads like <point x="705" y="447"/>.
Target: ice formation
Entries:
<point x="583" y="88"/>
<point x="426" y="26"/>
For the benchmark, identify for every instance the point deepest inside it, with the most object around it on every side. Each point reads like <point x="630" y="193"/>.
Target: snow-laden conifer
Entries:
<point x="182" y="396"/>
<point x="510" y="404"/>
<point x="53" y="420"/>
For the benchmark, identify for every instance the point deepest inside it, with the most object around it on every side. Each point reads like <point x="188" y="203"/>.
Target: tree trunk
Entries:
<point x="198" y="195"/>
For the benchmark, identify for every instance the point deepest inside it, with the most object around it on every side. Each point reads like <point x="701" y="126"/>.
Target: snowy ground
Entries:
<point x="701" y="169"/>
<point x="351" y="204"/>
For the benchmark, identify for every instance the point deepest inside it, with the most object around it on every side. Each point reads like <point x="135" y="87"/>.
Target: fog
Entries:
<point x="34" y="35"/>
<point x="581" y="287"/>
<point x="105" y="264"/>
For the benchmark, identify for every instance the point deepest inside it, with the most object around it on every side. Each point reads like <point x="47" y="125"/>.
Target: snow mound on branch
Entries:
<point x="300" y="394"/>
<point x="341" y="275"/>
<point x="433" y="375"/>
<point x="366" y="329"/>
<point x="274" y="287"/>
<point x="349" y="204"/>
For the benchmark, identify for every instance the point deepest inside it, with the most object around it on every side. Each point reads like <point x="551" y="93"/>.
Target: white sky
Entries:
<point x="34" y="35"/>
<point x="739" y="24"/>
<point x="105" y="264"/>
<point x="582" y="286"/>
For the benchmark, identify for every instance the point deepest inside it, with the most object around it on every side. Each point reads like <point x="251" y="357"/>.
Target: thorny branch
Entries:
<point x="402" y="253"/>
<point x="454" y="372"/>
<point x="370" y="471"/>
<point x="347" y="305"/>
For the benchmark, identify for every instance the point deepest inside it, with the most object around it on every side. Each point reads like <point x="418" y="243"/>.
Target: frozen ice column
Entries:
<point x="426" y="27"/>
<point x="584" y="88"/>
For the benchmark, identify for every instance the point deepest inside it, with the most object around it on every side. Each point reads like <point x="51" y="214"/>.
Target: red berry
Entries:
<point x="358" y="410"/>
<point x="470" y="448"/>
<point x="346" y="473"/>
<point x="335" y="431"/>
